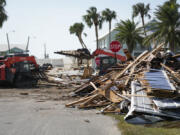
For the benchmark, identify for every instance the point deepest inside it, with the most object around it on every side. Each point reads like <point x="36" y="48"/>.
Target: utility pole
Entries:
<point x="27" y="46"/>
<point x="8" y="42"/>
<point x="45" y="55"/>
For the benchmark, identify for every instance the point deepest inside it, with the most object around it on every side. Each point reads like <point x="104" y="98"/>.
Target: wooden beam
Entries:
<point x="93" y="85"/>
<point x="130" y="65"/>
<point x="174" y="74"/>
<point x="130" y="75"/>
<point x="89" y="100"/>
<point x="79" y="101"/>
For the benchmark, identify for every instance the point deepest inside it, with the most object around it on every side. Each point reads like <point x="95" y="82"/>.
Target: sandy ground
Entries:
<point x="41" y="111"/>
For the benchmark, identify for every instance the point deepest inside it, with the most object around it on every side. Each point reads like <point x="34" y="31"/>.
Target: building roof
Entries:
<point x="4" y="47"/>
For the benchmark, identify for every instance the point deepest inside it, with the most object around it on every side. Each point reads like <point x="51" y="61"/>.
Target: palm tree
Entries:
<point x="108" y="16"/>
<point x="93" y="18"/>
<point x="77" y="29"/>
<point x="142" y="10"/>
<point x="3" y="15"/>
<point x="165" y="27"/>
<point x="129" y="34"/>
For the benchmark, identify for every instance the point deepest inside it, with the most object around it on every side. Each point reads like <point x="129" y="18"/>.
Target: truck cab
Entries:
<point x="105" y="63"/>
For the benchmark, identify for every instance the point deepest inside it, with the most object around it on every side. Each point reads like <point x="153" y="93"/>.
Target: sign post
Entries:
<point x="115" y="46"/>
<point x="97" y="60"/>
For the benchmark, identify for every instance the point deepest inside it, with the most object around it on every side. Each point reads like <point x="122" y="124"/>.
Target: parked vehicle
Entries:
<point x="19" y="70"/>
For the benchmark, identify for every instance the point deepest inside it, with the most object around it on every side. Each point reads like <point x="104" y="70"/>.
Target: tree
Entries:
<point x="166" y="24"/>
<point x="93" y="18"/>
<point x="108" y="16"/>
<point x="3" y="14"/>
<point x="77" y="29"/>
<point x="129" y="34"/>
<point x="142" y="10"/>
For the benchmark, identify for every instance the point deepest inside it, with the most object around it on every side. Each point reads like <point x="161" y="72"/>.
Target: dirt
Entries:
<point x="42" y="92"/>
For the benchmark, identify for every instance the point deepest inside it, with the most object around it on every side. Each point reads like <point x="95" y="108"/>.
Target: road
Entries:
<point x="28" y="116"/>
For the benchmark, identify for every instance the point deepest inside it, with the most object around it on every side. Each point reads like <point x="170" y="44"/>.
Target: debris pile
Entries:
<point x="65" y="78"/>
<point x="146" y="89"/>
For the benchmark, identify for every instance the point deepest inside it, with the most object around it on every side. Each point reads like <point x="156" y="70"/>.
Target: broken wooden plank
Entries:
<point x="130" y="65"/>
<point x="93" y="85"/>
<point x="79" y="101"/>
<point x="88" y="100"/>
<point x="175" y="75"/>
<point x="94" y="105"/>
<point x="130" y="75"/>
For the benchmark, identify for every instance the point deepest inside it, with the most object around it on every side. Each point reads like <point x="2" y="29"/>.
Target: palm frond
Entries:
<point x="129" y="34"/>
<point x="165" y="25"/>
<point x="3" y="14"/>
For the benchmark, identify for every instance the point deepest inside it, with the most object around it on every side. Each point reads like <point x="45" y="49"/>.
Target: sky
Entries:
<point x="48" y="21"/>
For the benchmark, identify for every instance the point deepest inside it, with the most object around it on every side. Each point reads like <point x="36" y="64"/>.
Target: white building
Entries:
<point x="104" y="43"/>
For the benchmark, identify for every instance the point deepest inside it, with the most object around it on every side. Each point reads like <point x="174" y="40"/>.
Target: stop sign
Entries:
<point x="97" y="60"/>
<point x="115" y="46"/>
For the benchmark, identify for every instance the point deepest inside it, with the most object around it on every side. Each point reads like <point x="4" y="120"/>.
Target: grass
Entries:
<point x="162" y="128"/>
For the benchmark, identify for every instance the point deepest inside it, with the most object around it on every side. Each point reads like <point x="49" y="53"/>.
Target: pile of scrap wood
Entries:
<point x="64" y="78"/>
<point x="146" y="89"/>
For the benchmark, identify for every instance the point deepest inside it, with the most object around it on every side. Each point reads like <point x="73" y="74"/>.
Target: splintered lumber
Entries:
<point x="112" y="108"/>
<point x="162" y="94"/>
<point x="111" y="95"/>
<point x="116" y="111"/>
<point x="139" y="59"/>
<point x="93" y="85"/>
<point x="114" y="97"/>
<point x="130" y="65"/>
<point x="87" y="87"/>
<point x="176" y="56"/>
<point x="94" y="105"/>
<point x="130" y="75"/>
<point x="89" y="100"/>
<point x="96" y="100"/>
<point x="48" y="84"/>
<point x="79" y="101"/>
<point x="174" y="74"/>
<point x="87" y="72"/>
<point x="104" y="109"/>
<point x="118" y="75"/>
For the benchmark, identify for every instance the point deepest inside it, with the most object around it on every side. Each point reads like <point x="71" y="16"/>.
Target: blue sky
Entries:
<point x="49" y="21"/>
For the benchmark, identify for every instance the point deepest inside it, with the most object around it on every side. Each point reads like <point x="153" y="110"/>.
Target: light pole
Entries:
<point x="7" y="36"/>
<point x="27" y="46"/>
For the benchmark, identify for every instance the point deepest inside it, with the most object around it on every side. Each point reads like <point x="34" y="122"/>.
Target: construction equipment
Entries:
<point x="20" y="70"/>
<point x="108" y="59"/>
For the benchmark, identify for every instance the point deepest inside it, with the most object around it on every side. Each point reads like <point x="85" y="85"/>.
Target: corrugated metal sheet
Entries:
<point x="167" y="103"/>
<point x="158" y="79"/>
<point x="143" y="105"/>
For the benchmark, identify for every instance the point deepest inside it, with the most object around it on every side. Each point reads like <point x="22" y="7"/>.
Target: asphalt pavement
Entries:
<point x="21" y="116"/>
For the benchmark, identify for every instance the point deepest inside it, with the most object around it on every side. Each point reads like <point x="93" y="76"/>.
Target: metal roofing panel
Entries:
<point x="167" y="103"/>
<point x="143" y="105"/>
<point x="158" y="79"/>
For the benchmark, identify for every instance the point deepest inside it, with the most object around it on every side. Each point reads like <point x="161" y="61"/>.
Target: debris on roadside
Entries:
<point x="146" y="89"/>
<point x="65" y="78"/>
